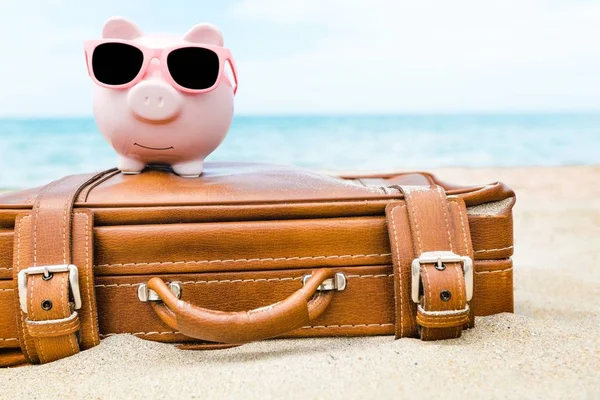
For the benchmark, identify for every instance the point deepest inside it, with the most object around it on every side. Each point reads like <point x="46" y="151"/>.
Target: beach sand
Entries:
<point x="550" y="348"/>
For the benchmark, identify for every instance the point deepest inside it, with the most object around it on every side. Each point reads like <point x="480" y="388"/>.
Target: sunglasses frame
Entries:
<point x="223" y="53"/>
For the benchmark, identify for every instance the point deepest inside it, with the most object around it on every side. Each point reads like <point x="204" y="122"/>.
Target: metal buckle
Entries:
<point x="46" y="270"/>
<point x="440" y="257"/>
<point x="338" y="282"/>
<point x="145" y="294"/>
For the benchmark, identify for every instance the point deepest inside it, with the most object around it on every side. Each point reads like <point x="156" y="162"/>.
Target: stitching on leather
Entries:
<point x="140" y="333"/>
<point x="31" y="309"/>
<point x="461" y="276"/>
<point x="70" y="337"/>
<point x="414" y="213"/>
<point x="477" y="251"/>
<point x="345" y="326"/>
<point x="399" y="270"/>
<point x="68" y="200"/>
<point x="244" y="280"/>
<point x="70" y="319"/>
<point x="31" y="300"/>
<point x="441" y="313"/>
<point x="441" y="325"/>
<point x="460" y="286"/>
<point x="462" y="298"/>
<point x="87" y="275"/>
<point x="494" y="272"/>
<point x="296" y="278"/>
<point x="6" y="290"/>
<point x="66" y="323"/>
<point x="65" y="331"/>
<point x="12" y="339"/>
<point x="370" y="276"/>
<point x="426" y="332"/>
<point x="304" y="327"/>
<point x="26" y="349"/>
<point x="37" y="213"/>
<point x="35" y="236"/>
<point x="445" y="212"/>
<point x="41" y="351"/>
<point x="351" y="256"/>
<point x="490" y="250"/>
<point x="62" y="296"/>
<point x="457" y="318"/>
<point x="462" y="225"/>
<point x="64" y="235"/>
<point x="429" y="301"/>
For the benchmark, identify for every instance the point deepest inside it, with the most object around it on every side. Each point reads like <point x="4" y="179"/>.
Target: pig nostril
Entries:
<point x="160" y="101"/>
<point x="146" y="100"/>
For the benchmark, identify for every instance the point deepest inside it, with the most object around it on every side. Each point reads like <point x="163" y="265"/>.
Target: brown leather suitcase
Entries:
<point x="90" y="256"/>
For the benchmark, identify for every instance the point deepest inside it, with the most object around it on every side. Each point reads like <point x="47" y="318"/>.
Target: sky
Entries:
<point x="329" y="56"/>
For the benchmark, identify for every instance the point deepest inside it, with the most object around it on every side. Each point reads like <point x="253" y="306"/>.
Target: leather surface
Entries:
<point x="241" y="237"/>
<point x="252" y="245"/>
<point x="12" y="358"/>
<point x="366" y="307"/>
<point x="491" y="237"/>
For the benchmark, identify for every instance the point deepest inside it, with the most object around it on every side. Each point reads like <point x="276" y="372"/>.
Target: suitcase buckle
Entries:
<point x="145" y="294"/>
<point x="47" y="271"/>
<point x="439" y="258"/>
<point x="338" y="282"/>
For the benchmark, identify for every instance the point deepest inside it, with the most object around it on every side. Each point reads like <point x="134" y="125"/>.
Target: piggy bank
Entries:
<point x="161" y="99"/>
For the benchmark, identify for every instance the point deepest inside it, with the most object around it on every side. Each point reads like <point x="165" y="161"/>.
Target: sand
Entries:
<point x="550" y="348"/>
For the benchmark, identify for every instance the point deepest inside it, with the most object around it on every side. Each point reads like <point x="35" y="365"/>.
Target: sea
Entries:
<point x="35" y="151"/>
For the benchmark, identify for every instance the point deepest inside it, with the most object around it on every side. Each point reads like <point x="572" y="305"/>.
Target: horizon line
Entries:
<point x="347" y="114"/>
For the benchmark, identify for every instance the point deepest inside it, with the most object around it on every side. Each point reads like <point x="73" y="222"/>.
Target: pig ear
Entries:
<point x="204" y="33"/>
<point x="120" y="28"/>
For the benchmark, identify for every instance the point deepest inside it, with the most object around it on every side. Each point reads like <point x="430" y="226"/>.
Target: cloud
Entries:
<point x="396" y="55"/>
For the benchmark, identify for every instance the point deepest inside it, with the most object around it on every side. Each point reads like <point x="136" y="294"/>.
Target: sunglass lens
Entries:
<point x="116" y="63"/>
<point x="194" y="67"/>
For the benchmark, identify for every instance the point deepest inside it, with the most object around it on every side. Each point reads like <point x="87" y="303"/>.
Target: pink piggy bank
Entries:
<point x="161" y="99"/>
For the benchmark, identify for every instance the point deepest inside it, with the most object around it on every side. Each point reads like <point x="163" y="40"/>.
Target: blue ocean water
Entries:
<point x="36" y="151"/>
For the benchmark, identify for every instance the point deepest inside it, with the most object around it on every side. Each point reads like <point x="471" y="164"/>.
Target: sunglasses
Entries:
<point x="191" y="68"/>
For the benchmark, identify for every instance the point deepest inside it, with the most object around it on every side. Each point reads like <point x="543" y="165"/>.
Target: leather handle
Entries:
<point x="244" y="326"/>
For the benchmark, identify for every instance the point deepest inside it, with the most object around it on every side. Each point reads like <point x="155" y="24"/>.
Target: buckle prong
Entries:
<point x="439" y="258"/>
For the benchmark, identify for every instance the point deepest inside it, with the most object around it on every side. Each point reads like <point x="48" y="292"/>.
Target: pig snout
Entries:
<point x="155" y="101"/>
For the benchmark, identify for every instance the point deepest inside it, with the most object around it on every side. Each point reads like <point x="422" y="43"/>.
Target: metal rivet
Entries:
<point x="47" y="277"/>
<point x="47" y="305"/>
<point x="440" y="266"/>
<point x="445" y="295"/>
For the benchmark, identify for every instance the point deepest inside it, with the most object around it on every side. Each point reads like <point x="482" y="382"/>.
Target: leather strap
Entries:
<point x="426" y="222"/>
<point x="49" y="330"/>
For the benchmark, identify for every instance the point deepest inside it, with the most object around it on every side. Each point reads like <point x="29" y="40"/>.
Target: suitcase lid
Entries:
<point x="247" y="183"/>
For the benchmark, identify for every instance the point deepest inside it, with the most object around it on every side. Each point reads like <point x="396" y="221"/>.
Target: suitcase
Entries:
<point x="247" y="252"/>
